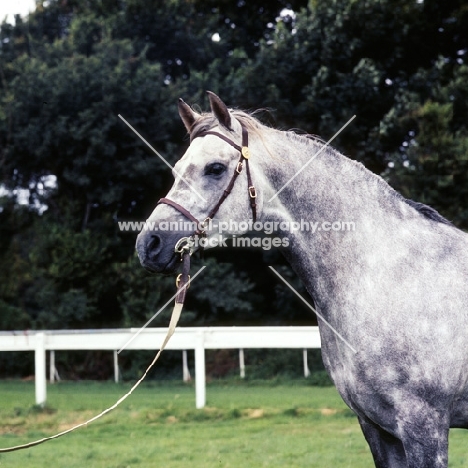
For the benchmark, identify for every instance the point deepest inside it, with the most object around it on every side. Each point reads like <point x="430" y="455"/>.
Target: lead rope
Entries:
<point x="183" y="282"/>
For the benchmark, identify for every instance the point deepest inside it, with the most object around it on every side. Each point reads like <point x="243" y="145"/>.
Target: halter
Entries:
<point x="185" y="244"/>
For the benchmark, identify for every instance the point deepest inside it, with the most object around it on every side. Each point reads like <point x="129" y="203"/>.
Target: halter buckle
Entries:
<point x="239" y="167"/>
<point x="185" y="245"/>
<point x="252" y="192"/>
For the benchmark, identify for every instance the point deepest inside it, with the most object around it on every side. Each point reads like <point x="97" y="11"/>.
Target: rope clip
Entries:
<point x="185" y="245"/>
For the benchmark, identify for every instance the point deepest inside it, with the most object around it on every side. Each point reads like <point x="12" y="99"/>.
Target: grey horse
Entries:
<point x="392" y="293"/>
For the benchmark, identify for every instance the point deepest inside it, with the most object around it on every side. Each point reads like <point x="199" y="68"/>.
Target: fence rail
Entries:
<point x="197" y="339"/>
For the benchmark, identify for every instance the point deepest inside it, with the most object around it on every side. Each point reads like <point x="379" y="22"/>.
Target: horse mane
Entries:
<point x="208" y="121"/>
<point x="428" y="212"/>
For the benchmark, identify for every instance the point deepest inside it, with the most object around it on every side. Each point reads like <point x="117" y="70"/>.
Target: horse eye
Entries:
<point x="215" y="169"/>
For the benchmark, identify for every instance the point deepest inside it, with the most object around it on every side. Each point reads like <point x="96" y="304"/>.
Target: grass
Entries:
<point x="245" y="424"/>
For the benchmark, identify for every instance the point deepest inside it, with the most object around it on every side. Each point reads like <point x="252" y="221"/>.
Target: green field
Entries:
<point x="245" y="424"/>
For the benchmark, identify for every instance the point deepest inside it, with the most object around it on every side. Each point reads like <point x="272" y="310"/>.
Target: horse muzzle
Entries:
<point x="156" y="251"/>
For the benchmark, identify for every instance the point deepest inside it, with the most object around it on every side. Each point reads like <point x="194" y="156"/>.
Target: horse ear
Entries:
<point x="220" y="110"/>
<point x="187" y="115"/>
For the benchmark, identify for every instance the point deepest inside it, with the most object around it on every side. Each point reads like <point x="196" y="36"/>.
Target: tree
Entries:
<point x="343" y="58"/>
<point x="60" y="118"/>
<point x="431" y="165"/>
<point x="67" y="73"/>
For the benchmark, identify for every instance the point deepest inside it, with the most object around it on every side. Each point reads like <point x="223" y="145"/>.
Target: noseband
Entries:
<point x="185" y="245"/>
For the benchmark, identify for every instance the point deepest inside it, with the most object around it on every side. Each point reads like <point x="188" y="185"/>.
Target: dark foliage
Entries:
<point x="70" y="168"/>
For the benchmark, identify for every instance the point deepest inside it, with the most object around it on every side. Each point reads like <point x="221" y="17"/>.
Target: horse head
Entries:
<point x="213" y="182"/>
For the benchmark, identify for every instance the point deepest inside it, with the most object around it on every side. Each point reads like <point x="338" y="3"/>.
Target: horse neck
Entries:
<point x="332" y="188"/>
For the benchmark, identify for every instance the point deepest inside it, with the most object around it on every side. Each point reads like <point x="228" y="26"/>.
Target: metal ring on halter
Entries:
<point x="185" y="244"/>
<point x="177" y="282"/>
<point x="206" y="223"/>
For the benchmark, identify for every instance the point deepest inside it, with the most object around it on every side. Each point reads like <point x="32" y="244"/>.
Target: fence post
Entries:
<point x="241" y="363"/>
<point x="185" y="370"/>
<point x="52" y="367"/>
<point x="200" y="383"/>
<point x="40" y="369"/>
<point x="306" y="365"/>
<point x="116" y="367"/>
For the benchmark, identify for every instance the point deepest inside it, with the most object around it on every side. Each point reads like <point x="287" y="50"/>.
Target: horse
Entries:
<point x="391" y="294"/>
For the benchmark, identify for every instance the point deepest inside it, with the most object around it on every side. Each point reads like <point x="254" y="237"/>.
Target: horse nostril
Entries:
<point x="154" y="244"/>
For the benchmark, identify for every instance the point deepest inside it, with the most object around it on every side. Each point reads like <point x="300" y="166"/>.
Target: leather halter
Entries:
<point x="244" y="156"/>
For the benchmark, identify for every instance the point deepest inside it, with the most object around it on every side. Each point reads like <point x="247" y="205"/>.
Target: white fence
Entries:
<point x="184" y="339"/>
